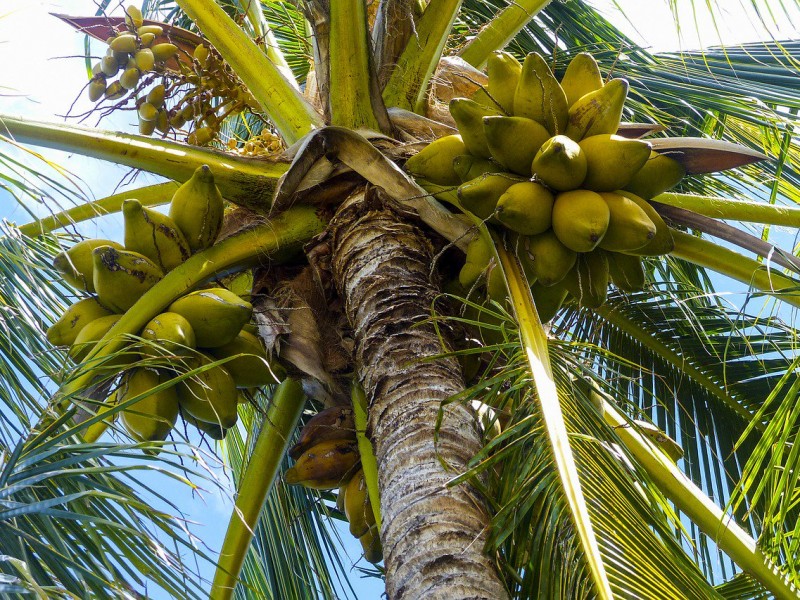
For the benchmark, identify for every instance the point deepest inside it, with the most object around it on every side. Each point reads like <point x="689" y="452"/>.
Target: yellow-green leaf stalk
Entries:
<point x="289" y="230"/>
<point x="350" y="97"/>
<point x="534" y="343"/>
<point x="408" y="85"/>
<point x="734" y="210"/>
<point x="736" y="266"/>
<point x="263" y="32"/>
<point x="151" y="195"/>
<point x="500" y="30"/>
<point x="691" y="500"/>
<point x="292" y="114"/>
<point x="369" y="463"/>
<point x="245" y="181"/>
<point x="281" y="419"/>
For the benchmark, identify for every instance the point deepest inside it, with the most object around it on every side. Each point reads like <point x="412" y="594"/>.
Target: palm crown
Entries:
<point x="481" y="437"/>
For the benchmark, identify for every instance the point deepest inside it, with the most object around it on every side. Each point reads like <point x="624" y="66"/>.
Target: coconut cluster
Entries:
<point x="172" y="89"/>
<point x="195" y="331"/>
<point x="541" y="160"/>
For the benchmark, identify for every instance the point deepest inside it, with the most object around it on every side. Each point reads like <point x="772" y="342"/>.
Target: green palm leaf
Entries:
<point x="29" y="301"/>
<point x="770" y="476"/>
<point x="57" y="501"/>
<point x="531" y="527"/>
<point x="694" y="369"/>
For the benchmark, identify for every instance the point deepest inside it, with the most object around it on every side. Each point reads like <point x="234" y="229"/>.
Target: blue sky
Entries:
<point x="43" y="72"/>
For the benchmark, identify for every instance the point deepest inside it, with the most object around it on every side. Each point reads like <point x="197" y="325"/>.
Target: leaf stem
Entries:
<point x="730" y="234"/>
<point x="281" y="419"/>
<point x="501" y="30"/>
<point x="734" y="210"/>
<point x="350" y="89"/>
<point x="262" y="31"/>
<point x="292" y="114"/>
<point x="244" y="181"/>
<point x="691" y="500"/>
<point x="151" y="195"/>
<point x="736" y="266"/>
<point x="534" y="343"/>
<point x="407" y="87"/>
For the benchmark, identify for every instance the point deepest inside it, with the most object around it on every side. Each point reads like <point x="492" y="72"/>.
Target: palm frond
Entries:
<point x="289" y="27"/>
<point x="31" y="179"/>
<point x="723" y="84"/>
<point x="57" y="501"/>
<point x="742" y="587"/>
<point x="30" y="300"/>
<point x="770" y="479"/>
<point x="737" y="93"/>
<point x="766" y="14"/>
<point x="638" y="535"/>
<point x="720" y="381"/>
<point x="696" y="370"/>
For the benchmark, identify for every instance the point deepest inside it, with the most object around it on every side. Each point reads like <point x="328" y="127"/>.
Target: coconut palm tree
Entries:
<point x="562" y="487"/>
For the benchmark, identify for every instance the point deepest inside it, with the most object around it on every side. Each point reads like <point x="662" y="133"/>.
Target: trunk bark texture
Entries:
<point x="433" y="535"/>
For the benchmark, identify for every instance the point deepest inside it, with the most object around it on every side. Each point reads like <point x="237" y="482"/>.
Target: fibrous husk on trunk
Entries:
<point x="304" y="331"/>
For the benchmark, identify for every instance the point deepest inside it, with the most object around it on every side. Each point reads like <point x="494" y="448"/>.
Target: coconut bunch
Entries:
<point x="326" y="457"/>
<point x="201" y="327"/>
<point x="540" y="160"/>
<point x="196" y="92"/>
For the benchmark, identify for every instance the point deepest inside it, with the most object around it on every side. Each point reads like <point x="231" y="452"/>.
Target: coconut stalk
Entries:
<point x="244" y="181"/>
<point x="368" y="463"/>
<point x="278" y="423"/>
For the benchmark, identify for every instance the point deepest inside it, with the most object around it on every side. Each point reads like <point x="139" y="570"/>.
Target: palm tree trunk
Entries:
<point x="433" y="535"/>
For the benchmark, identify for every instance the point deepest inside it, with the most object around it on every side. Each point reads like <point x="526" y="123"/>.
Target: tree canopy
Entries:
<point x="619" y="437"/>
